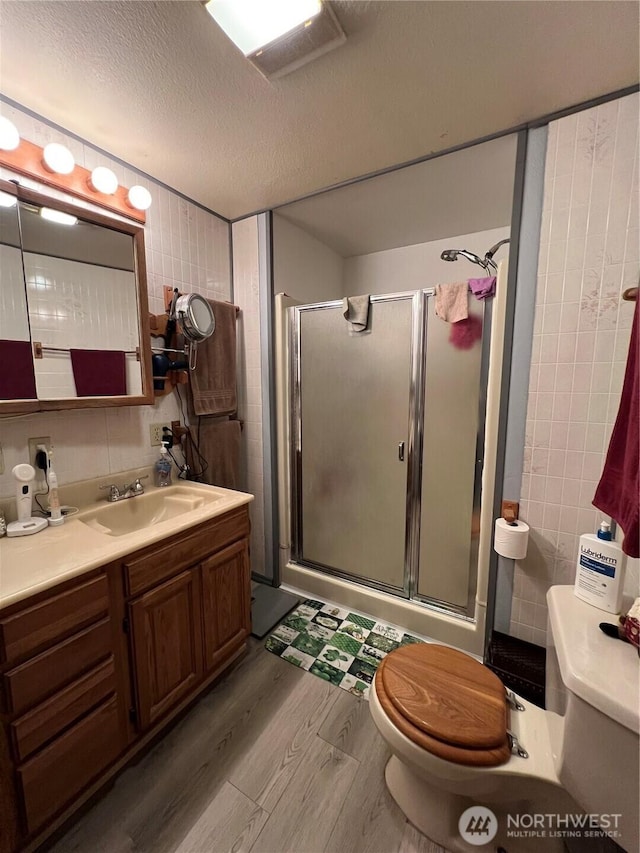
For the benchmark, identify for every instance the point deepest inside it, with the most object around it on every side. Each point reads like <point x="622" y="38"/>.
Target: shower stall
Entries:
<point x="387" y="448"/>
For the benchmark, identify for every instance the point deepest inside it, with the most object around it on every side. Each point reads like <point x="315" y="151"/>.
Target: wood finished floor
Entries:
<point x="272" y="760"/>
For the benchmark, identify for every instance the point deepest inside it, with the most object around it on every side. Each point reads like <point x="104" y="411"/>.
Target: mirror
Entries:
<point x="73" y="302"/>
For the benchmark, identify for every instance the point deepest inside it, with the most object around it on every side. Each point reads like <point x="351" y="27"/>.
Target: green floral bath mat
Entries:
<point x="337" y="645"/>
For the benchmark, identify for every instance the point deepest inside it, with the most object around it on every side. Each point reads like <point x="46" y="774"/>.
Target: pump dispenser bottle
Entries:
<point x="600" y="570"/>
<point x="163" y="468"/>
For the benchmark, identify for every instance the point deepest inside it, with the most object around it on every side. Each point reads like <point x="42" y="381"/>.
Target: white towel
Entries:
<point x="355" y="309"/>
<point x="452" y="301"/>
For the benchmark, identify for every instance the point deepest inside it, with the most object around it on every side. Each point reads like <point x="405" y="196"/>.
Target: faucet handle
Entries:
<point x="137" y="486"/>
<point x="114" y="492"/>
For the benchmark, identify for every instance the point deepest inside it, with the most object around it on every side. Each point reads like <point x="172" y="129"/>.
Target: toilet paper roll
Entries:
<point x="511" y="540"/>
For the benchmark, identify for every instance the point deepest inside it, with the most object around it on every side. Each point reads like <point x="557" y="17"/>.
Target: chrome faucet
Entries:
<point x="129" y="490"/>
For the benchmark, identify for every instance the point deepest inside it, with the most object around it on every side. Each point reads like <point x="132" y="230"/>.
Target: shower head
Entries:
<point x="487" y="263"/>
<point x="452" y="255"/>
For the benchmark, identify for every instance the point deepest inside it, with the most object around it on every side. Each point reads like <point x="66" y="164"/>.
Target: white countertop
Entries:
<point x="30" y="564"/>
<point x="602" y="670"/>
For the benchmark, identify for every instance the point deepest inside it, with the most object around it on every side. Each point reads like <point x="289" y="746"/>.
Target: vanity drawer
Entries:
<point x="31" y="731"/>
<point x="35" y="680"/>
<point x="45" y="623"/>
<point x="53" y="777"/>
<point x="173" y="556"/>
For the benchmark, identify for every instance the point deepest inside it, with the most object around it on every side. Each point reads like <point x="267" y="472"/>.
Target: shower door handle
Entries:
<point x="401" y="451"/>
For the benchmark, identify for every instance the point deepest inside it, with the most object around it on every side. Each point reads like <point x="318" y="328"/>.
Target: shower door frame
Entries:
<point x="436" y="604"/>
<point x="413" y="475"/>
<point x="416" y="409"/>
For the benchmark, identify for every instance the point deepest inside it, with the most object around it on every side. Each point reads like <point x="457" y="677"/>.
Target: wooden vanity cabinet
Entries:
<point x="166" y="645"/>
<point x="63" y="723"/>
<point x="92" y="670"/>
<point x="226" y="603"/>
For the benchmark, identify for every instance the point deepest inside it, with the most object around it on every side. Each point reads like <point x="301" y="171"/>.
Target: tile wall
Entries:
<point x="186" y="247"/>
<point x="62" y="296"/>
<point x="589" y="253"/>
<point x="246" y="293"/>
<point x="13" y="304"/>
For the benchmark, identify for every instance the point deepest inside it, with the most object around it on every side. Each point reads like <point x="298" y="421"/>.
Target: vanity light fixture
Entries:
<point x="103" y="180"/>
<point x="57" y="158"/>
<point x="58" y="216"/>
<point x="278" y="36"/>
<point x="54" y="166"/>
<point x="9" y="136"/>
<point x="139" y="198"/>
<point x="7" y="200"/>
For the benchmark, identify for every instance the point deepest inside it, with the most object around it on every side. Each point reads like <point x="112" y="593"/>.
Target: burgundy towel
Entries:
<point x="617" y="494"/>
<point x="99" y="373"/>
<point x="17" y="379"/>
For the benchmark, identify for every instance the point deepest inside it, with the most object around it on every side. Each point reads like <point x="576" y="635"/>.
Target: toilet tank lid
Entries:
<point x="602" y="671"/>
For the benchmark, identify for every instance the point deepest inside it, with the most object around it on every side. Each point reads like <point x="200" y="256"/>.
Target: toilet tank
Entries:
<point x="593" y="682"/>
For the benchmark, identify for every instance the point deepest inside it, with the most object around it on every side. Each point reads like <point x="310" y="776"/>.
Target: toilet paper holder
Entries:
<point x="510" y="511"/>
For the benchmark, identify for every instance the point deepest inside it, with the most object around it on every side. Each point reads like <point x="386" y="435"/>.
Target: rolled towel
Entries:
<point x="452" y="302"/>
<point x="356" y="312"/>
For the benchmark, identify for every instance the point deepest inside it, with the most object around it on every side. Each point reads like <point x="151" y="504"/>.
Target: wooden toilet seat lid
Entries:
<point x="447" y="695"/>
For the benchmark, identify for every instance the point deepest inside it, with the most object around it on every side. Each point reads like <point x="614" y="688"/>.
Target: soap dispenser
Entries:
<point x="163" y="468"/>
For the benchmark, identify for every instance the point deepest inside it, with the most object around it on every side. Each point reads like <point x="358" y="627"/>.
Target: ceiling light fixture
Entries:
<point x="7" y="200"/>
<point x="9" y="136"/>
<point x="58" y="216"/>
<point x="278" y="36"/>
<point x="57" y="158"/>
<point x="139" y="198"/>
<point x="252" y="24"/>
<point x="103" y="180"/>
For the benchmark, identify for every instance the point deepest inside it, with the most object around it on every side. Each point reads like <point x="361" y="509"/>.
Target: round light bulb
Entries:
<point x="104" y="180"/>
<point x="139" y="197"/>
<point x="58" y="159"/>
<point x="9" y="136"/>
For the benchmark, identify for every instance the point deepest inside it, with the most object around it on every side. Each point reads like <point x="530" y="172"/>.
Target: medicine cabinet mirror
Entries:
<point x="74" y="326"/>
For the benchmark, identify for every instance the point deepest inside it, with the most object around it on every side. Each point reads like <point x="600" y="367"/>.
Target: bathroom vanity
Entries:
<point x="112" y="634"/>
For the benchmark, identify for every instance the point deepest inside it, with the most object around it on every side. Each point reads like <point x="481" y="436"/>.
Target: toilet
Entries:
<point x="459" y="739"/>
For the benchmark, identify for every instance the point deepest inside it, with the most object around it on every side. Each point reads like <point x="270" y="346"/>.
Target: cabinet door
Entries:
<point x="167" y="645"/>
<point x="226" y="602"/>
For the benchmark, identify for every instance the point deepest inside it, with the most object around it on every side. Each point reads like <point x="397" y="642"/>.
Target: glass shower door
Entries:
<point x="351" y="430"/>
<point x="453" y="449"/>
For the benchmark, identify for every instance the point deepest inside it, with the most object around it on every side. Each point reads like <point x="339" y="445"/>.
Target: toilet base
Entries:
<point x="436" y="814"/>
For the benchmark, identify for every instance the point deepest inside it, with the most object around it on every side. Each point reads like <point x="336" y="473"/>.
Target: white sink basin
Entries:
<point x="133" y="514"/>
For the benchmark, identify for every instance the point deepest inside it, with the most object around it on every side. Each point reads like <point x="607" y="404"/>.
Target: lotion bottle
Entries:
<point x="600" y="570"/>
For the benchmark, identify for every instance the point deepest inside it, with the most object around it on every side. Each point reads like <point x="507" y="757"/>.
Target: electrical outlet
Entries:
<point x="45" y="441"/>
<point x="155" y="433"/>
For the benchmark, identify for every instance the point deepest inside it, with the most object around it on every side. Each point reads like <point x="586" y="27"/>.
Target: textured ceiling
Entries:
<point x="161" y="87"/>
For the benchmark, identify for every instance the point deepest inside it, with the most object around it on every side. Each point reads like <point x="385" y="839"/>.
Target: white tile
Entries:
<point x="571" y="492"/>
